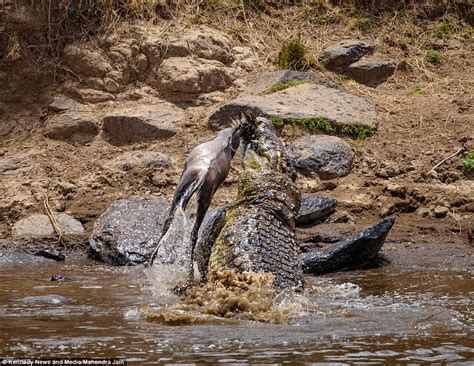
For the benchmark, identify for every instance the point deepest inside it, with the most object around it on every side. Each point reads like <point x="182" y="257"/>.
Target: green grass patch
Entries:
<point x="292" y="56"/>
<point x="282" y="86"/>
<point x="433" y="57"/>
<point x="443" y="30"/>
<point x="415" y="90"/>
<point x="365" y="132"/>
<point x="323" y="125"/>
<point x="467" y="162"/>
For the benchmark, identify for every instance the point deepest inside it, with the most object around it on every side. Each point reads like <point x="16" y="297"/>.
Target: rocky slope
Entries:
<point x="366" y="131"/>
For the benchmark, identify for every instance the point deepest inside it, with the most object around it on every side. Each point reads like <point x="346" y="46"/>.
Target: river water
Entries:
<point x="389" y="315"/>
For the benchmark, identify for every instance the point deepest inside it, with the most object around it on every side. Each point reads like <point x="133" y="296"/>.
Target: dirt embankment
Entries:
<point x="190" y="60"/>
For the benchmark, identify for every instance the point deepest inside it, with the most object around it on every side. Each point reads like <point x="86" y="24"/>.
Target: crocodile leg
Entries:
<point x="210" y="230"/>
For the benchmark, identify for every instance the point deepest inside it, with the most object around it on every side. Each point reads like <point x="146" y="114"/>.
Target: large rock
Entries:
<point x="138" y="159"/>
<point x="145" y="123"/>
<point x="71" y="127"/>
<point x="306" y="101"/>
<point x="188" y="75"/>
<point x="314" y="208"/>
<point x="201" y="42"/>
<point x="61" y="104"/>
<point x="344" y="53"/>
<point x="279" y="77"/>
<point x="125" y="234"/>
<point x="40" y="226"/>
<point x="371" y="71"/>
<point x="322" y="156"/>
<point x="85" y="60"/>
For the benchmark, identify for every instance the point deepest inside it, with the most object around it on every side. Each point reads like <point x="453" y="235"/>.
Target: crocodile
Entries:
<point x="257" y="231"/>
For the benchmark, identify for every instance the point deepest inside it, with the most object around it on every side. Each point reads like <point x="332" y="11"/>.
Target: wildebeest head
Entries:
<point x="262" y="148"/>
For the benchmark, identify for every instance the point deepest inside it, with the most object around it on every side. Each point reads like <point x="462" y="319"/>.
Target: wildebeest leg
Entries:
<point x="203" y="202"/>
<point x="184" y="182"/>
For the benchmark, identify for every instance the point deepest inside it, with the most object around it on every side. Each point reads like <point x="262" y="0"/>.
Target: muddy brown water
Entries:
<point x="389" y="315"/>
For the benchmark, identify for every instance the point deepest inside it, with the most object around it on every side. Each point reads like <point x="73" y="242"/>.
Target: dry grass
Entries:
<point x="403" y="36"/>
<point x="14" y="52"/>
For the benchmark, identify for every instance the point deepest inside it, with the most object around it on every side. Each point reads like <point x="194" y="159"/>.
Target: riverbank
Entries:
<point x="424" y="113"/>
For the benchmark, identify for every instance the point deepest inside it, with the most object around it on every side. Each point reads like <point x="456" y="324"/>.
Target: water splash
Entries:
<point x="230" y="296"/>
<point x="173" y="257"/>
<point x="174" y="247"/>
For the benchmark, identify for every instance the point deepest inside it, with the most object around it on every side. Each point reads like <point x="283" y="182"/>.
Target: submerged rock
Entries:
<point x="314" y="208"/>
<point x="324" y="156"/>
<point x="46" y="299"/>
<point x="59" y="278"/>
<point x="125" y="233"/>
<point x="351" y="252"/>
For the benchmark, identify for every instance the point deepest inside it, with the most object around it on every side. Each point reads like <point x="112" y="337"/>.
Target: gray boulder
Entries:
<point x="306" y="101"/>
<point x="71" y="127"/>
<point x="272" y="78"/>
<point x="125" y="234"/>
<point x="314" y="208"/>
<point x="322" y="156"/>
<point x="142" y="124"/>
<point x="371" y="71"/>
<point x="344" y="53"/>
<point x="39" y="226"/>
